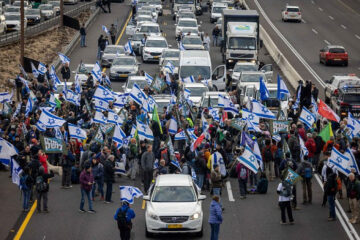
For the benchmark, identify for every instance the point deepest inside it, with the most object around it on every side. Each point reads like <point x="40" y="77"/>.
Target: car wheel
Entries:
<point x="147" y="233"/>
<point x="346" y="63"/>
<point x="200" y="234"/>
<point x="143" y="60"/>
<point x="326" y="62"/>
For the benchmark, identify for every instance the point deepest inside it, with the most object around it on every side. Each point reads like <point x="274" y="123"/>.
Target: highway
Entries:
<point x="324" y="22"/>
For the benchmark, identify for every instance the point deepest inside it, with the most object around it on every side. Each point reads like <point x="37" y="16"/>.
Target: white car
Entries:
<point x="27" y="5"/>
<point x="10" y="10"/>
<point x="150" y="29"/>
<point x="216" y="11"/>
<point x="122" y="67"/>
<point x="213" y="97"/>
<point x="162" y="101"/>
<point x="186" y="23"/>
<point x="110" y="53"/>
<point x="169" y="53"/>
<point x="47" y="10"/>
<point x="174" y="61"/>
<point x="291" y="13"/>
<point x="196" y="91"/>
<point x="185" y="14"/>
<point x="56" y="5"/>
<point x="139" y="80"/>
<point x="13" y="23"/>
<point x="82" y="71"/>
<point x="192" y="43"/>
<point x="174" y="205"/>
<point x="242" y="67"/>
<point x="153" y="48"/>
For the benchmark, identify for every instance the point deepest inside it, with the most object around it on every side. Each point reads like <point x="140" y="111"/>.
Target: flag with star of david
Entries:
<point x="103" y="93"/>
<point x="340" y="161"/>
<point x="249" y="159"/>
<point x="248" y="115"/>
<point x="114" y="118"/>
<point x="144" y="131"/>
<point x="121" y="99"/>
<point x="99" y="117"/>
<point x="101" y="104"/>
<point x="49" y="120"/>
<point x="76" y="132"/>
<point x="118" y="136"/>
<point x="137" y="94"/>
<point x="307" y="117"/>
<point x="261" y="111"/>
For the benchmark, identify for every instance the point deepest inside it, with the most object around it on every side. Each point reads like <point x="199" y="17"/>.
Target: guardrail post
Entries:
<point x="22" y="32"/>
<point x="61" y="13"/>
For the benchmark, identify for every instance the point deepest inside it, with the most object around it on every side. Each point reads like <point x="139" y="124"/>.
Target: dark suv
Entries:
<point x="348" y="100"/>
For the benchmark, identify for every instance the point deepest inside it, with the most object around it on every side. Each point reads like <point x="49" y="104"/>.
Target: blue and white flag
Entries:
<point x="218" y="159"/>
<point x="99" y="117"/>
<point x="281" y="88"/>
<point x="137" y="94"/>
<point x="276" y="137"/>
<point x="354" y="125"/>
<point x="144" y="131"/>
<point x="176" y="164"/>
<point x="114" y="118"/>
<point x="246" y="140"/>
<point x="258" y="155"/>
<point x="96" y="72"/>
<point x="352" y="162"/>
<point x="189" y="79"/>
<point x="307" y="117"/>
<point x="42" y="68"/>
<point x="297" y="102"/>
<point x="78" y="88"/>
<point x="167" y="78"/>
<point x="315" y="107"/>
<point x="29" y="106"/>
<point x="252" y="127"/>
<point x="64" y="59"/>
<point x="34" y="71"/>
<point x="104" y="28"/>
<point x="261" y="111"/>
<point x="26" y="84"/>
<point x="100" y="104"/>
<point x="181" y="47"/>
<point x="7" y="150"/>
<point x="118" y="136"/>
<point x="58" y="133"/>
<point x="76" y="132"/>
<point x="40" y="126"/>
<point x="16" y="172"/>
<point x="214" y="112"/>
<point x="169" y="65"/>
<point x="127" y="194"/>
<point x="103" y="93"/>
<point x="128" y="49"/>
<point x="18" y="108"/>
<point x="227" y="105"/>
<point x="106" y="80"/>
<point x="149" y="79"/>
<point x="55" y="79"/>
<point x="133" y="131"/>
<point x="246" y="114"/>
<point x="151" y="103"/>
<point x="187" y="93"/>
<point x="193" y="174"/>
<point x="180" y="136"/>
<point x="340" y="161"/>
<point x="5" y="97"/>
<point x="303" y="149"/>
<point x="173" y="126"/>
<point x="264" y="92"/>
<point x="249" y="159"/>
<point x="121" y="99"/>
<point x="72" y="97"/>
<point x="50" y="120"/>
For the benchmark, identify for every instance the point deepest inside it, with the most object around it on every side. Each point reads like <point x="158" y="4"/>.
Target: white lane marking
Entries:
<point x="314" y="31"/>
<point x="327" y="42"/>
<point x="303" y="20"/>
<point x="343" y="26"/>
<point x="312" y="2"/>
<point x="230" y="194"/>
<point x="359" y="68"/>
<point x="357" y="36"/>
<point x="331" y="17"/>
<point x="320" y="9"/>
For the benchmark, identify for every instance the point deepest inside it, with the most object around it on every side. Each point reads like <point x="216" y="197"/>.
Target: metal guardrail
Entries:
<point x="10" y="38"/>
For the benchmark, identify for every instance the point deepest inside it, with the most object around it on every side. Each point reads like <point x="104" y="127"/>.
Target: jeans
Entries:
<point x="43" y="196"/>
<point x="269" y="170"/>
<point x="82" y="40"/>
<point x="26" y="199"/>
<point x="100" y="187"/>
<point x="215" y="40"/>
<point x="200" y="180"/>
<point x="108" y="191"/>
<point x="283" y="206"/>
<point x="148" y="176"/>
<point x="253" y="179"/>
<point x="331" y="200"/>
<point x="66" y="177"/>
<point x="99" y="53"/>
<point x="82" y="202"/>
<point x="125" y="233"/>
<point x="215" y="229"/>
<point x="307" y="191"/>
<point x="242" y="186"/>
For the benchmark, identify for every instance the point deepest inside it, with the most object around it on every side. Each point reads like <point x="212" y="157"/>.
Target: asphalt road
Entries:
<point x="325" y="22"/>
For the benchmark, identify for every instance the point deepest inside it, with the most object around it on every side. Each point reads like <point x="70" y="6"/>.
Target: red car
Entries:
<point x="334" y="55"/>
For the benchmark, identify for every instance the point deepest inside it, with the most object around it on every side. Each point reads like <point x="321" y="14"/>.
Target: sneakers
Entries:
<point x="331" y="219"/>
<point x="91" y="211"/>
<point x="282" y="223"/>
<point x="81" y="210"/>
<point x="108" y="202"/>
<point x="46" y="211"/>
<point x="292" y="223"/>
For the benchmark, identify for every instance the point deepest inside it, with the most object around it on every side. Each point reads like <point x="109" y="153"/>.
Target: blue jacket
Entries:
<point x="130" y="214"/>
<point x="215" y="212"/>
<point x="98" y="171"/>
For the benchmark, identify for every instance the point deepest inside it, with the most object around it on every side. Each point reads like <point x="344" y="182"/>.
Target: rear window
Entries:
<point x="352" y="98"/>
<point x="293" y="10"/>
<point x="337" y="50"/>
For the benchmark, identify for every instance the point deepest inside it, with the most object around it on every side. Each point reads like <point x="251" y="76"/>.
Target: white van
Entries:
<point x="198" y="63"/>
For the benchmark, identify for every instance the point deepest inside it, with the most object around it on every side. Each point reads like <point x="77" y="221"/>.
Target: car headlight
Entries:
<point x="195" y="216"/>
<point x="147" y="52"/>
<point x="230" y="60"/>
<point x="153" y="216"/>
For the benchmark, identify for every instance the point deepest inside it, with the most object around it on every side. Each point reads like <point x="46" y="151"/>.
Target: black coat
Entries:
<point x="109" y="171"/>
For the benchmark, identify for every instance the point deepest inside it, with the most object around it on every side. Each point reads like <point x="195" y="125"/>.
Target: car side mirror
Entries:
<point x="146" y="198"/>
<point x="202" y="197"/>
<point x="170" y="46"/>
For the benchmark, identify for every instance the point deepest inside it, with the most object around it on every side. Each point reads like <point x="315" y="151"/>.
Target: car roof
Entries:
<point x="155" y="38"/>
<point x="171" y="50"/>
<point x="220" y="4"/>
<point x="245" y="63"/>
<point x="335" y="46"/>
<point x="252" y="72"/>
<point x="188" y="19"/>
<point x="194" y="85"/>
<point x="125" y="56"/>
<point x="174" y="180"/>
<point x="142" y="78"/>
<point x="214" y="94"/>
<point x="288" y="6"/>
<point x="150" y="24"/>
<point x="191" y="36"/>
<point x="114" y="46"/>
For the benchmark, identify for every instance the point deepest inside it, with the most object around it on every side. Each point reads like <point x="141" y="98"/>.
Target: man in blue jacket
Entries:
<point x="123" y="216"/>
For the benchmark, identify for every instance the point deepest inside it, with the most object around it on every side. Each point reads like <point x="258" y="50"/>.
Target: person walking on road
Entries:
<point x="305" y="171"/>
<point x="216" y="180"/>
<point x="82" y="36"/>
<point x="67" y="163"/>
<point x="215" y="34"/>
<point x="147" y="164"/>
<point x="123" y="216"/>
<point x="330" y="190"/>
<point x="100" y="42"/>
<point x="108" y="3"/>
<point x="86" y="182"/>
<point x="112" y="33"/>
<point x="207" y="41"/>
<point x="353" y="189"/>
<point x="285" y="192"/>
<point x="42" y="189"/>
<point x="65" y="72"/>
<point x="242" y="175"/>
<point x="215" y="218"/>
<point x="109" y="174"/>
<point x="26" y="182"/>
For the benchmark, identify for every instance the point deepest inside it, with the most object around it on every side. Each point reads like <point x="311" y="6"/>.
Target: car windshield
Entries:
<point x="85" y="70"/>
<point x="186" y="15"/>
<point x="156" y="43"/>
<point x="190" y="30"/>
<point x="194" y="41"/>
<point x="337" y="50"/>
<point x="144" y="19"/>
<point x="17" y="4"/>
<point x="11" y="9"/>
<point x="213" y="102"/>
<point x="55" y="4"/>
<point x="137" y="37"/>
<point x="293" y="10"/>
<point x="273" y="95"/>
<point x="140" y="83"/>
<point x="185" y="23"/>
<point x="46" y="7"/>
<point x="251" y="77"/>
<point x="173" y="194"/>
<point x="184" y="1"/>
<point x="174" y="62"/>
<point x="12" y="17"/>
<point x="197" y="91"/>
<point x="161" y="105"/>
<point x="218" y="9"/>
<point x="172" y="54"/>
<point x="124" y="61"/>
<point x="150" y="29"/>
<point x="114" y="50"/>
<point x="203" y="71"/>
<point x="144" y="12"/>
<point x="33" y="12"/>
<point x="244" y="68"/>
<point x="242" y="43"/>
<point x="352" y="98"/>
<point x="219" y="21"/>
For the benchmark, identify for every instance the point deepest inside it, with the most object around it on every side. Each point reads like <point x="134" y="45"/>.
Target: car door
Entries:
<point x="268" y="70"/>
<point x="219" y="77"/>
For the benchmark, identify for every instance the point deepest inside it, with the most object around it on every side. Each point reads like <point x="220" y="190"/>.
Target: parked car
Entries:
<point x="13" y="23"/>
<point x="56" y="5"/>
<point x="124" y="66"/>
<point x="47" y="11"/>
<point x="110" y="53"/>
<point x="33" y="16"/>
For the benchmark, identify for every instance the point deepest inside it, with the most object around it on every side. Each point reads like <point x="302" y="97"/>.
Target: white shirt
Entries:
<point x="207" y="40"/>
<point x="282" y="198"/>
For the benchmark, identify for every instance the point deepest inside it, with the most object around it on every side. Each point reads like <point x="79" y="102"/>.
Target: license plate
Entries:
<point x="123" y="75"/>
<point x="174" y="226"/>
<point x="337" y="59"/>
<point x="357" y="114"/>
<point x="156" y="57"/>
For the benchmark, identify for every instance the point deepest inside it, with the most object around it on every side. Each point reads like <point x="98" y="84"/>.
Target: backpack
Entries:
<point x="41" y="186"/>
<point x="243" y="172"/>
<point x="286" y="189"/>
<point x="121" y="219"/>
<point x="23" y="180"/>
<point x="308" y="172"/>
<point x="268" y="157"/>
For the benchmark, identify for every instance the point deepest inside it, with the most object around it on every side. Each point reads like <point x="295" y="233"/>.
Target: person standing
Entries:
<point x="215" y="34"/>
<point x="305" y="171"/>
<point x="109" y="174"/>
<point x="98" y="173"/>
<point x="147" y="164"/>
<point x="215" y="218"/>
<point x="86" y="182"/>
<point x="100" y="42"/>
<point x="108" y="3"/>
<point x="112" y="32"/>
<point x="353" y="189"/>
<point x="42" y="189"/>
<point x="242" y="175"/>
<point x="285" y="192"/>
<point x="268" y="157"/>
<point x="123" y="216"/>
<point x="26" y="182"/>
<point x="207" y="41"/>
<point x="67" y="163"/>
<point x="216" y="180"/>
<point x="65" y="72"/>
<point x="82" y="36"/>
<point x="330" y="190"/>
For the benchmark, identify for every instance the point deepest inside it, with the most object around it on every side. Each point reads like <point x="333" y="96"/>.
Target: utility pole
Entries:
<point x="22" y="33"/>
<point x="61" y="13"/>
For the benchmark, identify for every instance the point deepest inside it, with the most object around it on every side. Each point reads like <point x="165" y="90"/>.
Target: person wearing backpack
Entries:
<point x="353" y="189"/>
<point x="123" y="216"/>
<point x="330" y="190"/>
<point x="26" y="182"/>
<point x="311" y="147"/>
<point x="268" y="159"/>
<point x="242" y="175"/>
<point x="284" y="190"/>
<point x="42" y="188"/>
<point x="305" y="171"/>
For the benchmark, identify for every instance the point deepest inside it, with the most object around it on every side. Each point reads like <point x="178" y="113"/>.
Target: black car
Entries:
<point x="348" y="100"/>
<point x="33" y="16"/>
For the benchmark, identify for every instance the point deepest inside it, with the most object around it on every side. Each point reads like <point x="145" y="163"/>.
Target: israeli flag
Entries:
<point x="249" y="159"/>
<point x="5" y="97"/>
<point x="96" y="72"/>
<point x="76" y="132"/>
<point x="176" y="164"/>
<point x="315" y="107"/>
<point x="121" y="99"/>
<point x="118" y="136"/>
<point x="276" y="137"/>
<point x="187" y="93"/>
<point x="133" y="131"/>
<point x="252" y="127"/>
<point x="101" y="104"/>
<point x="354" y="125"/>
<point x="144" y="131"/>
<point x="246" y="114"/>
<point x="180" y="136"/>
<point x="42" y="68"/>
<point x="264" y="92"/>
<point x="218" y="159"/>
<point x="106" y="80"/>
<point x="40" y="126"/>
<point x="181" y="47"/>
<point x="214" y="112"/>
<point x="18" y="108"/>
<point x="307" y="117"/>
<point x="34" y="70"/>
<point x="104" y="28"/>
<point x="261" y="111"/>
<point x="103" y="93"/>
<point x="297" y="102"/>
<point x="352" y="163"/>
<point x="193" y="174"/>
<point x="29" y="106"/>
<point x="58" y="133"/>
<point x="167" y="78"/>
<point x="54" y="77"/>
<point x="114" y="118"/>
<point x="50" y="120"/>
<point x="149" y="79"/>
<point x="99" y="117"/>
<point x="189" y="79"/>
<point x="151" y="103"/>
<point x="258" y="155"/>
<point x="281" y="88"/>
<point x="169" y="65"/>
<point x="137" y="94"/>
<point x="7" y="150"/>
<point x="340" y="161"/>
<point x="78" y="88"/>
<point x="127" y="194"/>
<point x="156" y="164"/>
<point x="64" y="59"/>
<point x="72" y="97"/>
<point x="173" y="126"/>
<point x="128" y="49"/>
<point x="304" y="151"/>
<point x="26" y="84"/>
<point x="16" y="172"/>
